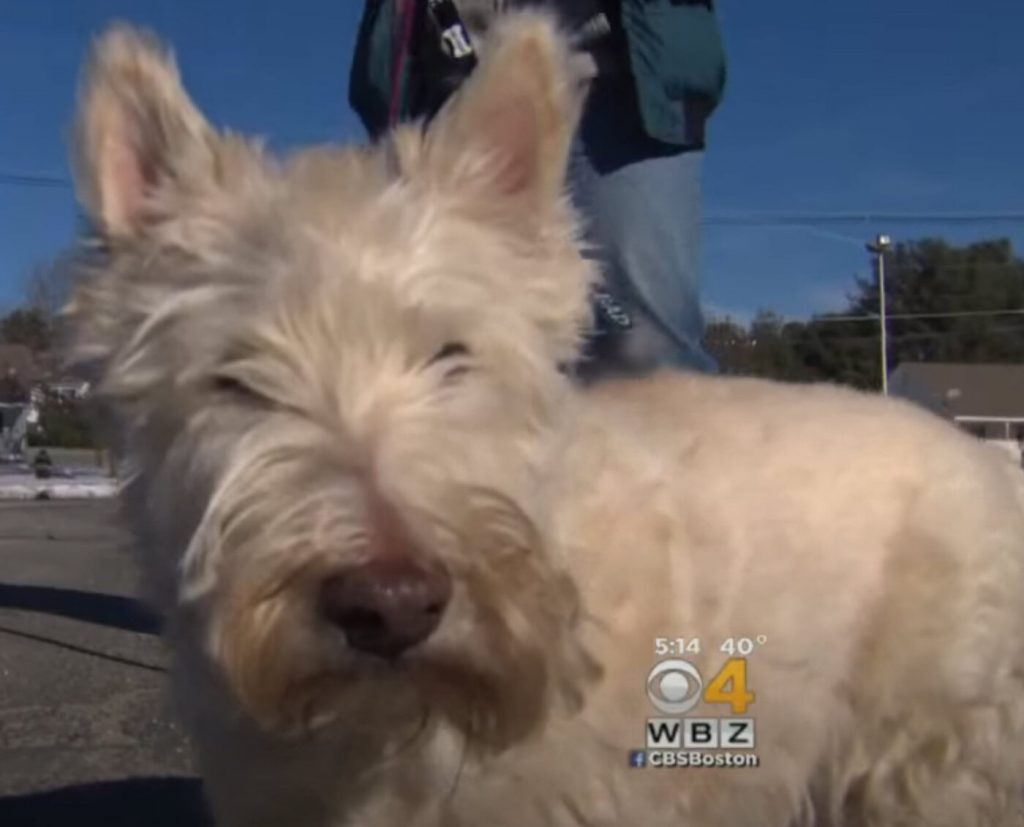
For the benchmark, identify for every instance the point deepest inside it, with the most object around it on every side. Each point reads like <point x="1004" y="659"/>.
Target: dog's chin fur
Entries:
<point x="504" y="660"/>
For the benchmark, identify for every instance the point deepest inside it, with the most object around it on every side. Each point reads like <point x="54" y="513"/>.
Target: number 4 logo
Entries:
<point x="730" y="687"/>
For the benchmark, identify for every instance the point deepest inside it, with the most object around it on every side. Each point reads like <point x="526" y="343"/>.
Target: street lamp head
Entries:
<point x="879" y="245"/>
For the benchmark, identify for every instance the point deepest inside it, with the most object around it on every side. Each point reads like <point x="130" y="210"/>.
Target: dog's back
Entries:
<point x="874" y="548"/>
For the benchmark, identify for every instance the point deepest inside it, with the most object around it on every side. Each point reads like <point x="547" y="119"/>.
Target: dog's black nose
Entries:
<point x="387" y="605"/>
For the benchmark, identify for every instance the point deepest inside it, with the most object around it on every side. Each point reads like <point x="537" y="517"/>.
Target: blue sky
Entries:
<point x="875" y="107"/>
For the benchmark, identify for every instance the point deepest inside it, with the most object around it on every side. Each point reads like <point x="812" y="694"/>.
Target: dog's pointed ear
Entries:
<point x="510" y="126"/>
<point x="136" y="128"/>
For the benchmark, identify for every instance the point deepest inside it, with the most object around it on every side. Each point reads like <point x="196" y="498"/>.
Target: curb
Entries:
<point x="51" y="490"/>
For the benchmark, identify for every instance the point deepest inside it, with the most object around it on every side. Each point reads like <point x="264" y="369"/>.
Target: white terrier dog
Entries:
<point x="414" y="576"/>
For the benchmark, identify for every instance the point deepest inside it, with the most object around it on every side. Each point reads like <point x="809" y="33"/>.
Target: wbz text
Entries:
<point x="682" y="742"/>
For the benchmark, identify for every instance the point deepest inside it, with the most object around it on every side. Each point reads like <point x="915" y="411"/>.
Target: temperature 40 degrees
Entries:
<point x="742" y="646"/>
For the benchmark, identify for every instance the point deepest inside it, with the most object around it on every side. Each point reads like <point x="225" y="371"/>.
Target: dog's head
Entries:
<point x="336" y="378"/>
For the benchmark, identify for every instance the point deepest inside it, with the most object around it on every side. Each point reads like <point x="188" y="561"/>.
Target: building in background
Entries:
<point x="18" y="371"/>
<point x="986" y="400"/>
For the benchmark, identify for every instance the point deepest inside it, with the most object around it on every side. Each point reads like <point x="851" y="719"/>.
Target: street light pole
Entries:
<point x="878" y="248"/>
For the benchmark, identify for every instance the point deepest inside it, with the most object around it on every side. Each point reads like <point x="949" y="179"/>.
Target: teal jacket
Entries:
<point x="673" y="51"/>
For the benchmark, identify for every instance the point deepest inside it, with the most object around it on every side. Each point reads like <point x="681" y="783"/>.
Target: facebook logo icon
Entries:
<point x="638" y="759"/>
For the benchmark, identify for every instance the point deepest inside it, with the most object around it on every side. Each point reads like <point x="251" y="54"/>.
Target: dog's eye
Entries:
<point x="235" y="387"/>
<point x="452" y="352"/>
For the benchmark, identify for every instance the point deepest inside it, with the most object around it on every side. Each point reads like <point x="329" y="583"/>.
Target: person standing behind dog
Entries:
<point x="657" y="73"/>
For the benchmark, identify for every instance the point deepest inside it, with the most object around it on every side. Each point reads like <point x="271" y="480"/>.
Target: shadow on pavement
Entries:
<point x="92" y="607"/>
<point x="132" y="802"/>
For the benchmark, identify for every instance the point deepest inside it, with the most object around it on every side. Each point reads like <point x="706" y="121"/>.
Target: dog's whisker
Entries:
<point x="457" y="779"/>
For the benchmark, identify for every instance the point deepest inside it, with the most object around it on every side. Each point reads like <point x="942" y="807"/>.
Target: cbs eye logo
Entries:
<point x="674" y="686"/>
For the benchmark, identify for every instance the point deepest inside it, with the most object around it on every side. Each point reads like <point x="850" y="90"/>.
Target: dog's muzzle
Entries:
<point x="387" y="605"/>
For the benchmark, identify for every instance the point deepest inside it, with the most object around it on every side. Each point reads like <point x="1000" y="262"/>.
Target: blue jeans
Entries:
<point x="640" y="203"/>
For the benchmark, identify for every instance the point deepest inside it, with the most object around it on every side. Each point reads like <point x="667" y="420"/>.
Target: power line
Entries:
<point x="820" y="218"/>
<point x="753" y="219"/>
<point x="873" y="317"/>
<point x="931" y="334"/>
<point x="899" y="337"/>
<point x="955" y="314"/>
<point x="916" y="268"/>
<point x="21" y="180"/>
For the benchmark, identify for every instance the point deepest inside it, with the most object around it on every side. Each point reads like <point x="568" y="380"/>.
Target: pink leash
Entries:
<point x="407" y="14"/>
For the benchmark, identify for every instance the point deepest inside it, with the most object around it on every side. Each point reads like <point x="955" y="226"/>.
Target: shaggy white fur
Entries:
<point x="315" y="364"/>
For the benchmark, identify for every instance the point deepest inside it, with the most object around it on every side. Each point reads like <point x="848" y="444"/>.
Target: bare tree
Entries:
<point x="48" y="287"/>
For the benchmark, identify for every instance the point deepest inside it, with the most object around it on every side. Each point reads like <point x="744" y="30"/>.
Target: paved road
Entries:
<point x="85" y="733"/>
